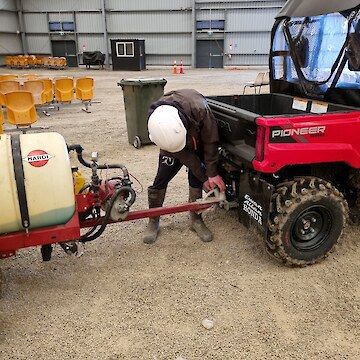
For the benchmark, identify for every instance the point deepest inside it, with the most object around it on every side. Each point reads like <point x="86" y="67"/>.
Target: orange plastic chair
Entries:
<point x="7" y="86"/>
<point x="9" y="61"/>
<point x="5" y="77"/>
<point x="30" y="76"/>
<point x="18" y="60"/>
<point x="36" y="87"/>
<point x="46" y="61"/>
<point x="57" y="62"/>
<point x="52" y="62"/>
<point x="63" y="62"/>
<point x="2" y="120"/>
<point x="31" y="60"/>
<point x="20" y="108"/>
<point x="22" y="61"/>
<point x="85" y="91"/>
<point x="48" y="90"/>
<point x="64" y="90"/>
<point x="39" y="61"/>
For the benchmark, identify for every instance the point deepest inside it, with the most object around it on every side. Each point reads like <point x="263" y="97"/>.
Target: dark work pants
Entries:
<point x="168" y="167"/>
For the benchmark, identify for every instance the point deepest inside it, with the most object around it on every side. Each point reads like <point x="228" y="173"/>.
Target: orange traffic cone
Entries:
<point x="175" y="68"/>
<point x="181" y="67"/>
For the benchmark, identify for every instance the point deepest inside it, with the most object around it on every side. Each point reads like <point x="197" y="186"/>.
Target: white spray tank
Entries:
<point x="36" y="183"/>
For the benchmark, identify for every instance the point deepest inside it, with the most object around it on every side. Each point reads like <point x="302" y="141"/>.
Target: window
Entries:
<point x="210" y="24"/>
<point x="68" y="26"/>
<point x="61" y="26"/>
<point x="125" y="49"/>
<point x="55" y="26"/>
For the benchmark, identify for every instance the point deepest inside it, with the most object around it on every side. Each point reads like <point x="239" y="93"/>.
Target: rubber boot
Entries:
<point x="155" y="199"/>
<point x="197" y="223"/>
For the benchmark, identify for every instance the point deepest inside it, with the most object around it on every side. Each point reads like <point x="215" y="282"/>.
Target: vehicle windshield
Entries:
<point x="318" y="51"/>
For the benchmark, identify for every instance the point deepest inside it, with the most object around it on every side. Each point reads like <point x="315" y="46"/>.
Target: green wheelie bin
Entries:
<point x="139" y="94"/>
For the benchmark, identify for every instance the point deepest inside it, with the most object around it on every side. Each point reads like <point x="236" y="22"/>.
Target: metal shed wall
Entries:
<point x="36" y="23"/>
<point x="89" y="22"/>
<point x="168" y="27"/>
<point x="61" y="16"/>
<point x="10" y="39"/>
<point x="173" y="47"/>
<point x="246" y="34"/>
<point x="247" y="20"/>
<point x="236" y="4"/>
<point x="7" y="5"/>
<point x="152" y="22"/>
<point x="141" y="5"/>
<point x="92" y="42"/>
<point x="206" y="14"/>
<point x="8" y="22"/>
<point x="60" y="5"/>
<point x="247" y="39"/>
<point x="10" y="44"/>
<point x="39" y="44"/>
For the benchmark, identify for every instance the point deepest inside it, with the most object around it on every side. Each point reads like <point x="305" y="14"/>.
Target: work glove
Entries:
<point x="215" y="181"/>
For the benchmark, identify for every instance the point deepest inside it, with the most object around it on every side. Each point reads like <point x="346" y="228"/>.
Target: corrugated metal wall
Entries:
<point x="36" y="23"/>
<point x="10" y="38"/>
<point x="60" y="5"/>
<point x="247" y="38"/>
<point x="247" y="28"/>
<point x="168" y="27"/>
<point x="146" y="5"/>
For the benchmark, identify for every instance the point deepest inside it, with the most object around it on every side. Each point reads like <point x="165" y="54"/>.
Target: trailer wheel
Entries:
<point x="137" y="142"/>
<point x="306" y="221"/>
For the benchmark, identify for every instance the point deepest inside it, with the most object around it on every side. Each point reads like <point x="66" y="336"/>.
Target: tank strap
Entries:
<point x="19" y="178"/>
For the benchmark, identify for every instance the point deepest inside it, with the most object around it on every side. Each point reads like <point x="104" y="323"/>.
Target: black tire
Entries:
<point x="306" y="221"/>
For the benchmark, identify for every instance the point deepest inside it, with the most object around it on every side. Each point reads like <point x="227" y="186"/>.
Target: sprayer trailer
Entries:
<point x="46" y="201"/>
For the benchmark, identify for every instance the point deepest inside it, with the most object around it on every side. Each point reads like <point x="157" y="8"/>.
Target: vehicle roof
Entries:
<point x="302" y="8"/>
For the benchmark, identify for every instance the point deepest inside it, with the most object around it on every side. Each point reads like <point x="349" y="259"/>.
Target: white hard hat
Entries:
<point x="166" y="129"/>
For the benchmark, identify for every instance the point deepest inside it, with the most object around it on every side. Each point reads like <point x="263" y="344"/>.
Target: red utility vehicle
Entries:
<point x="291" y="158"/>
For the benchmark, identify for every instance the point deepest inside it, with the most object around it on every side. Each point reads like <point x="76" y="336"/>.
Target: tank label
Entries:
<point x="37" y="158"/>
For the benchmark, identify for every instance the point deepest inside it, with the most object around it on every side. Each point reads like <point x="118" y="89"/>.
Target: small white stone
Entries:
<point x="208" y="324"/>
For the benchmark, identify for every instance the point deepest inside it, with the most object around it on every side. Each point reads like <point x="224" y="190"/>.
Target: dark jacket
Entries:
<point x="202" y="133"/>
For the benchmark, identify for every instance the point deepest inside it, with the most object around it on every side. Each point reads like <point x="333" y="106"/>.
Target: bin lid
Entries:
<point x="142" y="82"/>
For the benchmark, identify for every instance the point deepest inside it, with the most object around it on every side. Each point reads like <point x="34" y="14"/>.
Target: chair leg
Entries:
<point x="86" y="107"/>
<point x="43" y="110"/>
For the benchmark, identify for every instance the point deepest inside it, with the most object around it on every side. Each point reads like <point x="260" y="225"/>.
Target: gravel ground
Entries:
<point x="123" y="299"/>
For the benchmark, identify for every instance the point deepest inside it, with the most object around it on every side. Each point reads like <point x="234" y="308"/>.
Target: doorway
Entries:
<point x="67" y="49"/>
<point x="209" y="54"/>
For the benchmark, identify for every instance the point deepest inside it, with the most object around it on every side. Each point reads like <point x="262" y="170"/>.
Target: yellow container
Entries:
<point x="79" y="182"/>
<point x="47" y="178"/>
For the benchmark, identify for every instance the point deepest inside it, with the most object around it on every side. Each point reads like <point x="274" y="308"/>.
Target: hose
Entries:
<point x="79" y="149"/>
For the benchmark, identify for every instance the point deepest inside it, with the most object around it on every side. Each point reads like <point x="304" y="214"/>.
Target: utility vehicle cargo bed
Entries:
<point x="236" y="116"/>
